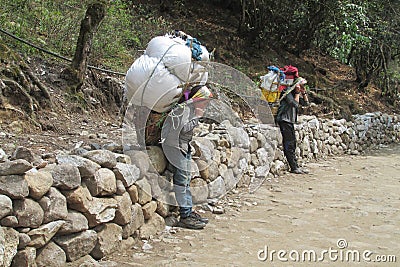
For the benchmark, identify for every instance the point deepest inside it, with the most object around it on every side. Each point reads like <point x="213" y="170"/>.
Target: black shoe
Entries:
<point x="305" y="171"/>
<point x="190" y="223"/>
<point x="297" y="171"/>
<point x="197" y="216"/>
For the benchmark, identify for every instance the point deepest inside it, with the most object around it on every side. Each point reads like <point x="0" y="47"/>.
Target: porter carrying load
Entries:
<point x="170" y="65"/>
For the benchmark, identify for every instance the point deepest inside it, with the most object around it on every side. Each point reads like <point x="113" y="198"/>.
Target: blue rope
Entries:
<point x="279" y="71"/>
<point x="195" y="47"/>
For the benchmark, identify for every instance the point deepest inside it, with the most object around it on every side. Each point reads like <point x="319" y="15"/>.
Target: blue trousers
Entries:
<point x="181" y="181"/>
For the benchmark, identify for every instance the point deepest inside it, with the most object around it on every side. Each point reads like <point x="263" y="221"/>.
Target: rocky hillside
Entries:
<point x="50" y="118"/>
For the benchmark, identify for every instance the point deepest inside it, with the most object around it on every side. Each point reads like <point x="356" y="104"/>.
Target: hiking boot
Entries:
<point x="305" y="171"/>
<point x="190" y="223"/>
<point x="297" y="171"/>
<point x="197" y="216"/>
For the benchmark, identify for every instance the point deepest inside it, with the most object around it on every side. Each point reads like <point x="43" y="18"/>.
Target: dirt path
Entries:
<point x="353" y="200"/>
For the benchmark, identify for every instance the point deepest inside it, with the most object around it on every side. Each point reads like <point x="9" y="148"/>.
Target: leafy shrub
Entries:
<point x="54" y="26"/>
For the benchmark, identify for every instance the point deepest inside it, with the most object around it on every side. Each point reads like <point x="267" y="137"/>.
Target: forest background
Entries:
<point x="347" y="50"/>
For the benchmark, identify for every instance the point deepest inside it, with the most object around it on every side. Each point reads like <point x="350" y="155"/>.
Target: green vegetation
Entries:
<point x="363" y="34"/>
<point x="54" y="26"/>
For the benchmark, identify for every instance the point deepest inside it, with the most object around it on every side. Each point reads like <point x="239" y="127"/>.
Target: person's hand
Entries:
<point x="297" y="89"/>
<point x="302" y="90"/>
<point x="302" y="85"/>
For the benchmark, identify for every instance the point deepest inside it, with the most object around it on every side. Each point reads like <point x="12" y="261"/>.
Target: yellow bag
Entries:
<point x="269" y="85"/>
<point x="270" y="96"/>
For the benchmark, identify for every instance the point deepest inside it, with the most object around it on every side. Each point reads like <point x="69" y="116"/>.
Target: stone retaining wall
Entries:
<point x="321" y="138"/>
<point x="81" y="206"/>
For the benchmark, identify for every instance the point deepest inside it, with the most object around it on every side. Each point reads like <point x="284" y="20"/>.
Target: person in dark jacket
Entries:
<point x="287" y="117"/>
<point x="176" y="135"/>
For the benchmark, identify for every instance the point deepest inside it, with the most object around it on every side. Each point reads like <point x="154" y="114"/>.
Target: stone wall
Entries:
<point x="322" y="138"/>
<point x="83" y="205"/>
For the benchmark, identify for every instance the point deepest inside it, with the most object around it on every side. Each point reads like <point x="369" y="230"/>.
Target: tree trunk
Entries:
<point x="242" y="19"/>
<point x="76" y="72"/>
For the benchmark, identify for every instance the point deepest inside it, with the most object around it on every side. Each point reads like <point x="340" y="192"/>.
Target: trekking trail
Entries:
<point x="346" y="212"/>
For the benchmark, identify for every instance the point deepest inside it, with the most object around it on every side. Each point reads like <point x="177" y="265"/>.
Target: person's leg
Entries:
<point x="184" y="197"/>
<point x="289" y="143"/>
<point x="182" y="188"/>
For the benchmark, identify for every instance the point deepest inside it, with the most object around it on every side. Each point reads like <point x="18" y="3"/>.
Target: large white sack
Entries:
<point x="139" y="72"/>
<point x="205" y="55"/>
<point x="175" y="55"/>
<point x="178" y="40"/>
<point x="198" y="73"/>
<point x="270" y="81"/>
<point x="148" y="83"/>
